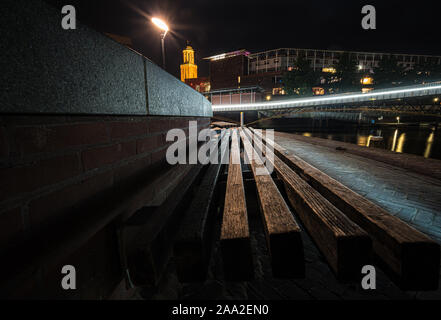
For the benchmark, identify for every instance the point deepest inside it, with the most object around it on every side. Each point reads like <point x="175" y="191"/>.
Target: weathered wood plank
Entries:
<point x="193" y="242"/>
<point x="151" y="247"/>
<point x="345" y="245"/>
<point x="147" y="237"/>
<point x="410" y="257"/>
<point x="281" y="230"/>
<point x="235" y="235"/>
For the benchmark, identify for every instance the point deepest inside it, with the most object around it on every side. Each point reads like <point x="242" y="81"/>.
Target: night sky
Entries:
<point x="214" y="27"/>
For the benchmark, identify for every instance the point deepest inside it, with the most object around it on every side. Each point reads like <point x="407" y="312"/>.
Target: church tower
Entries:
<point x="188" y="69"/>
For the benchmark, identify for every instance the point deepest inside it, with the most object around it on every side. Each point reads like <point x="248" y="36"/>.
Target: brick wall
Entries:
<point x="50" y="165"/>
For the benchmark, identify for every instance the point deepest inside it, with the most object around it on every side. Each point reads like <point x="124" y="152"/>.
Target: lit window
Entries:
<point x="329" y="70"/>
<point x="278" y="91"/>
<point x="367" y="80"/>
<point x="318" y="91"/>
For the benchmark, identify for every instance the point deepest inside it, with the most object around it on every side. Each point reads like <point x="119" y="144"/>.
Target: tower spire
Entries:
<point x="188" y="68"/>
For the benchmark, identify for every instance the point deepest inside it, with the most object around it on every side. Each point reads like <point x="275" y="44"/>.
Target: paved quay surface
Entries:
<point x="413" y="197"/>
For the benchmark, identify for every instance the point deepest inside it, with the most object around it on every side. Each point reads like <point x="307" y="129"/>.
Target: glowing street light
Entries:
<point x="164" y="28"/>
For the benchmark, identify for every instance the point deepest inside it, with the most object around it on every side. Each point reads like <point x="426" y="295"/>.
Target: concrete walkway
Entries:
<point x="412" y="197"/>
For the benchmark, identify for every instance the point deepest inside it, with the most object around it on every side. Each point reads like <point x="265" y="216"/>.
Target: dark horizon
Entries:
<point x="223" y="26"/>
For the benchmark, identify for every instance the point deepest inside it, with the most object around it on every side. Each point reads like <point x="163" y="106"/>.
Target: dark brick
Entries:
<point x="99" y="157"/>
<point x="4" y="150"/>
<point x="10" y="225"/>
<point x="30" y="177"/>
<point x="97" y="268"/>
<point x="158" y="125"/>
<point x="203" y="123"/>
<point x="67" y="198"/>
<point x="176" y="123"/>
<point x="185" y="123"/>
<point x="159" y="155"/>
<point x="150" y="143"/>
<point x="131" y="169"/>
<point x="45" y="139"/>
<point x="126" y="129"/>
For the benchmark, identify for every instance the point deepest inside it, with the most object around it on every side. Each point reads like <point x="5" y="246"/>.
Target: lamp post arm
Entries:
<point x="163" y="49"/>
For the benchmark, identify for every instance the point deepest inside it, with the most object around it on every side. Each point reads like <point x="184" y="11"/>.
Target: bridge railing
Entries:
<point x="426" y="89"/>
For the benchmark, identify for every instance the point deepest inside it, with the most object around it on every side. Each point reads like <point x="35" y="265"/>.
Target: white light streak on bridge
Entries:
<point x="421" y="90"/>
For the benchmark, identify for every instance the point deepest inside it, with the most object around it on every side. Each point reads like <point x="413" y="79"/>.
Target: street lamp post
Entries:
<point x="163" y="50"/>
<point x="164" y="28"/>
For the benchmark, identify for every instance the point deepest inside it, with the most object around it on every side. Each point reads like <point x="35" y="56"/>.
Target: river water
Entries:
<point x="422" y="139"/>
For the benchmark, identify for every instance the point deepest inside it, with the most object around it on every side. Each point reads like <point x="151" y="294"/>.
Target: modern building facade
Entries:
<point x="241" y="69"/>
<point x="284" y="59"/>
<point x="227" y="70"/>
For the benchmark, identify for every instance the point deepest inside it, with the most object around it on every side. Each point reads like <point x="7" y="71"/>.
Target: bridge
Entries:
<point x="336" y="100"/>
<point x="414" y="100"/>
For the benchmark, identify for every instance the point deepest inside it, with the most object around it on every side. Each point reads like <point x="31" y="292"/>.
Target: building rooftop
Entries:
<point x="241" y="52"/>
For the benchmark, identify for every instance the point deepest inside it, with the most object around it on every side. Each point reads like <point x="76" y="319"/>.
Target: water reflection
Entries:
<point x="362" y="141"/>
<point x="400" y="144"/>
<point x="423" y="139"/>
<point x="429" y="143"/>
<point x="394" y="140"/>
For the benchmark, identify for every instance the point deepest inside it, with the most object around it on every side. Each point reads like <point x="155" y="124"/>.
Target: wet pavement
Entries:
<point x="412" y="197"/>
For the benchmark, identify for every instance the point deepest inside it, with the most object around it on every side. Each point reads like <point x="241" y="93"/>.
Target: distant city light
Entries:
<point x="218" y="57"/>
<point x="164" y="27"/>
<point x="436" y="99"/>
<point x="318" y="91"/>
<point x="367" y="80"/>
<point x="268" y="98"/>
<point x="329" y="70"/>
<point x="228" y="55"/>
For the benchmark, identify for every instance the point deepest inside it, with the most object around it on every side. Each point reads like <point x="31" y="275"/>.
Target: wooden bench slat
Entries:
<point x="147" y="237"/>
<point x="192" y="245"/>
<point x="410" y="257"/>
<point x="281" y="230"/>
<point x="345" y="245"/>
<point x="149" y="250"/>
<point x="235" y="235"/>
